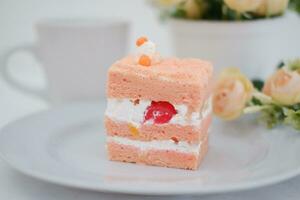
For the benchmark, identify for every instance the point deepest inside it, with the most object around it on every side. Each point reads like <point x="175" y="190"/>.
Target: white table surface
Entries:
<point x="16" y="186"/>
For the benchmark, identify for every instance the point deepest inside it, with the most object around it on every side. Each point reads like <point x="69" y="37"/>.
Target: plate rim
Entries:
<point x="127" y="190"/>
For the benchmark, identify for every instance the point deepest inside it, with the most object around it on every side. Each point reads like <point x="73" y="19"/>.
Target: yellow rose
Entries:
<point x="165" y="3"/>
<point x="243" y="5"/>
<point x="193" y="9"/>
<point x="284" y="86"/>
<point x="271" y="7"/>
<point x="231" y="93"/>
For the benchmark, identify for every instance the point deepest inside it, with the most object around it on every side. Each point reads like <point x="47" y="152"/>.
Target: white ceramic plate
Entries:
<point x="66" y="146"/>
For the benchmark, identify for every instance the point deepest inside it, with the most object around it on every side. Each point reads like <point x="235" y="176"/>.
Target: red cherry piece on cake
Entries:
<point x="160" y="112"/>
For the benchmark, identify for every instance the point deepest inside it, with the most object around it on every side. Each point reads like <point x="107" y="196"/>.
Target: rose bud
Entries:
<point x="284" y="86"/>
<point x="231" y="93"/>
<point x="269" y="8"/>
<point x="243" y="5"/>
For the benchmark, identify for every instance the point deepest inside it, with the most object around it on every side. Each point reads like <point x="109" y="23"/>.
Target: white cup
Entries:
<point x="75" y="55"/>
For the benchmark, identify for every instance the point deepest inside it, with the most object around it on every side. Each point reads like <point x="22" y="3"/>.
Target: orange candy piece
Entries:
<point x="145" y="60"/>
<point x="133" y="130"/>
<point x="141" y="41"/>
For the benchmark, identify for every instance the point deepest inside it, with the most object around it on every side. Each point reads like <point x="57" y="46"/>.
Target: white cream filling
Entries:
<point x="170" y="145"/>
<point x="125" y="110"/>
<point x="148" y="48"/>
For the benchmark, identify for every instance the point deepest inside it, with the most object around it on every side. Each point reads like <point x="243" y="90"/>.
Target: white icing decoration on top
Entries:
<point x="148" y="48"/>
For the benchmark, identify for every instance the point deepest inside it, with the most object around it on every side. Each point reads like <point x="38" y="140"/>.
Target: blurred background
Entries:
<point x="18" y="18"/>
<point x="252" y="37"/>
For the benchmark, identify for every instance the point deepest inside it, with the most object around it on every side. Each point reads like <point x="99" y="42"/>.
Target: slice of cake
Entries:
<point x="158" y="109"/>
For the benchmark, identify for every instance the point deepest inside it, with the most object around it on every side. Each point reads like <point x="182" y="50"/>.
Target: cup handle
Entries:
<point x="6" y="75"/>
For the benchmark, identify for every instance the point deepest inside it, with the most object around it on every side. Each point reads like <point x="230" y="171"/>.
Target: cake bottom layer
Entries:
<point x="156" y="157"/>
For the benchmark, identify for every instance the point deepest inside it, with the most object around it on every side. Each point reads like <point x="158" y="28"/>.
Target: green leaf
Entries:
<point x="295" y="5"/>
<point x="272" y="115"/>
<point x="292" y="118"/>
<point x="294" y="64"/>
<point x="256" y="101"/>
<point x="258" y="84"/>
<point x="295" y="107"/>
<point x="280" y="65"/>
<point x="213" y="10"/>
<point x="179" y="13"/>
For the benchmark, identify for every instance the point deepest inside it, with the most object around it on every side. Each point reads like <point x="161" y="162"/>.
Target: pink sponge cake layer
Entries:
<point x="148" y="132"/>
<point x="179" y="81"/>
<point x="158" y="110"/>
<point x="157" y="157"/>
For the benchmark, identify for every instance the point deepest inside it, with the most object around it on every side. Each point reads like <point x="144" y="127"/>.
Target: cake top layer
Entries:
<point x="147" y="76"/>
<point x="187" y="70"/>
